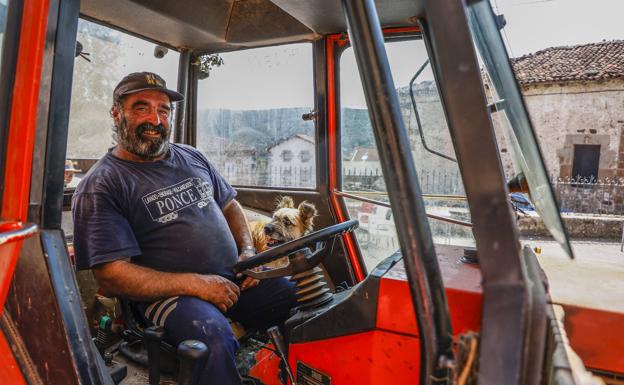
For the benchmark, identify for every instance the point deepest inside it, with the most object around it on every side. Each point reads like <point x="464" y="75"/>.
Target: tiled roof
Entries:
<point x="595" y="61"/>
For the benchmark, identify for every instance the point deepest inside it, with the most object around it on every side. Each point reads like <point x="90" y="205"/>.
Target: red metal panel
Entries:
<point x="375" y="357"/>
<point x="24" y="110"/>
<point x="22" y="132"/>
<point x="18" y="164"/>
<point x="463" y="291"/>
<point x="8" y="259"/>
<point x="9" y="370"/>
<point x="267" y="367"/>
<point x="597" y="336"/>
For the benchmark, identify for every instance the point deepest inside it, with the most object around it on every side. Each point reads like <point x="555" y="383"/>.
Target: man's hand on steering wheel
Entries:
<point x="247" y="282"/>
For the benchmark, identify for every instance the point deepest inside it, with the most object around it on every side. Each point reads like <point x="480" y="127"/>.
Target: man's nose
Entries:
<point x="154" y="118"/>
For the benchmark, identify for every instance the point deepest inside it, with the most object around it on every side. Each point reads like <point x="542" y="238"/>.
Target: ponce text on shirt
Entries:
<point x="176" y="197"/>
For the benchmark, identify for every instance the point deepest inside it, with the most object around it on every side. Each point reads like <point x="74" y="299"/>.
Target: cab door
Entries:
<point x="22" y="32"/>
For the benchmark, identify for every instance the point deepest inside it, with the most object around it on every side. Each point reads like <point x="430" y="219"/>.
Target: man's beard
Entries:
<point x="135" y="143"/>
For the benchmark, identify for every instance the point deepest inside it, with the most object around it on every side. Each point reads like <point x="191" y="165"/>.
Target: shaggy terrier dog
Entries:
<point x="288" y="223"/>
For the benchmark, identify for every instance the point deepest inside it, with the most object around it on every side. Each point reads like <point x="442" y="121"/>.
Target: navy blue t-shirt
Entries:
<point x="166" y="215"/>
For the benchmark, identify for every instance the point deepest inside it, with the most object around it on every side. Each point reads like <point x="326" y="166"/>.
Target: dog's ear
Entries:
<point x="286" y="203"/>
<point x="307" y="211"/>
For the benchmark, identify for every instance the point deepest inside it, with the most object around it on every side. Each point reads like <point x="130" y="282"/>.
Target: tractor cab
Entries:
<point x="387" y="116"/>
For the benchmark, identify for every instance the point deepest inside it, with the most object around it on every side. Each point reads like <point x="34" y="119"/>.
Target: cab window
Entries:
<point x="107" y="56"/>
<point x="249" y="117"/>
<point x="431" y="147"/>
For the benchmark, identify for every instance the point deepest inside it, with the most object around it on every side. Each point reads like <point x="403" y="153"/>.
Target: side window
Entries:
<point x="431" y="147"/>
<point x="111" y="56"/>
<point x="249" y="117"/>
<point x="108" y="56"/>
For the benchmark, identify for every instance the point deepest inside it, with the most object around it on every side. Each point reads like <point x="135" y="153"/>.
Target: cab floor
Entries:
<point x="138" y="375"/>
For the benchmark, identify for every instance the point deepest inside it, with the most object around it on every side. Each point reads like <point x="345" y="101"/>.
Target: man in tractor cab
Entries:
<point x="158" y="225"/>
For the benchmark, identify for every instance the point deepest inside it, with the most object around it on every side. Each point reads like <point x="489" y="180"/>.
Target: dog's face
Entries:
<point x="288" y="222"/>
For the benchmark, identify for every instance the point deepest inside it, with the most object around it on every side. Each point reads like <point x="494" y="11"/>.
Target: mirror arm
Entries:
<point x="420" y="129"/>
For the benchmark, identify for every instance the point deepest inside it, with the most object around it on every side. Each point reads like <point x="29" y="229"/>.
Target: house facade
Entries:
<point x="292" y="162"/>
<point x="575" y="97"/>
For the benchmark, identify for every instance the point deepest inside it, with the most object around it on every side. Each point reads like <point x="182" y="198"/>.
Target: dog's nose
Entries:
<point x="268" y="228"/>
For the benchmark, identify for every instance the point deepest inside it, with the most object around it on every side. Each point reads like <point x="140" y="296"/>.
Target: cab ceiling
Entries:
<point x="224" y="25"/>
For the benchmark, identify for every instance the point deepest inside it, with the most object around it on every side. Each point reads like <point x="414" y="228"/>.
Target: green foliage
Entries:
<point x="207" y="63"/>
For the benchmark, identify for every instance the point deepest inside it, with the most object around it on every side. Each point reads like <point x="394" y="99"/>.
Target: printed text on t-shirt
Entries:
<point x="164" y="204"/>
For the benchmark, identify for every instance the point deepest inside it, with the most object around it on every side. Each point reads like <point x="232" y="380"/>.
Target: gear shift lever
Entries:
<point x="280" y="348"/>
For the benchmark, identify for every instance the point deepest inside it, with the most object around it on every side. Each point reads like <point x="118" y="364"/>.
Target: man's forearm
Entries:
<point x="121" y="278"/>
<point x="125" y="279"/>
<point x="237" y="221"/>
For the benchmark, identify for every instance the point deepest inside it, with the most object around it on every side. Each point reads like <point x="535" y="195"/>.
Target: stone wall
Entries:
<point x="578" y="226"/>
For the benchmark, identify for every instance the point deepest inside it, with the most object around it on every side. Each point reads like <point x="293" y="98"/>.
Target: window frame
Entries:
<point x="337" y="46"/>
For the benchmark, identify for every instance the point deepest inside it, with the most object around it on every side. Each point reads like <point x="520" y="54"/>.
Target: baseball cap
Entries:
<point x="141" y="81"/>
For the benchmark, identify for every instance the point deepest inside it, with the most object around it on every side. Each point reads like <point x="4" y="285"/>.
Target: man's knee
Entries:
<point x="216" y="334"/>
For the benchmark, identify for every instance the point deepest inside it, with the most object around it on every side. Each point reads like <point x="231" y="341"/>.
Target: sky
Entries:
<point x="533" y="25"/>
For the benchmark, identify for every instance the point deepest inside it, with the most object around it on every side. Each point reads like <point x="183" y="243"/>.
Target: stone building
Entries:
<point x="575" y="98"/>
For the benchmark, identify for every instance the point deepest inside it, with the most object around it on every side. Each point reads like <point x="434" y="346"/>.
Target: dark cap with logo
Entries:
<point x="141" y="81"/>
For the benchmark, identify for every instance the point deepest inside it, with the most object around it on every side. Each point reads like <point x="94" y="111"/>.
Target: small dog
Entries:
<point x="288" y="223"/>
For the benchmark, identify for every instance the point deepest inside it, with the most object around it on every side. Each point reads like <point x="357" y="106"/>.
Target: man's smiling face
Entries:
<point x="143" y="124"/>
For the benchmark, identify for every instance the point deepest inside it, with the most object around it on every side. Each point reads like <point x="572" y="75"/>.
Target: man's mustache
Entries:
<point x="150" y="127"/>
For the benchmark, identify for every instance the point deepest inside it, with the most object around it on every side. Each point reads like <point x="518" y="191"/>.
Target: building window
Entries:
<point x="287" y="155"/>
<point x="305" y="156"/>
<point x="586" y="162"/>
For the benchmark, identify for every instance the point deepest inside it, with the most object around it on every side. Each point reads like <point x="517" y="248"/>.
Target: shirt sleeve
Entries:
<point x="101" y="233"/>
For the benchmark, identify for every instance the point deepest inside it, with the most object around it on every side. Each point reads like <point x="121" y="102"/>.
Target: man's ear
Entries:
<point x="307" y="211"/>
<point x="286" y="202"/>
<point x="116" y="114"/>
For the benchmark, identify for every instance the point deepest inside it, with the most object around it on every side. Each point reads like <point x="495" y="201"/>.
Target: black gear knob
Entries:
<point x="153" y="336"/>
<point x="192" y="355"/>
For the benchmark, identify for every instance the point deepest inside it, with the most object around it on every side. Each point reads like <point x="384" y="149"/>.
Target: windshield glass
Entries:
<point x="431" y="148"/>
<point x="511" y="112"/>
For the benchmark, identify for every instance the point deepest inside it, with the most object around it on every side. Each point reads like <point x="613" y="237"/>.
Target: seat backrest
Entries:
<point x="131" y="318"/>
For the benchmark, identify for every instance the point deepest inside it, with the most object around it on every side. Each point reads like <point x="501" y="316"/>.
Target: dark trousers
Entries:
<point x="184" y="318"/>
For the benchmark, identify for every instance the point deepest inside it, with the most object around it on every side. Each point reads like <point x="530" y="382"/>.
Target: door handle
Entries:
<point x="15" y="231"/>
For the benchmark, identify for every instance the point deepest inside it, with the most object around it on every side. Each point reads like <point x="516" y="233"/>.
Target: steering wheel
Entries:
<point x="300" y="257"/>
